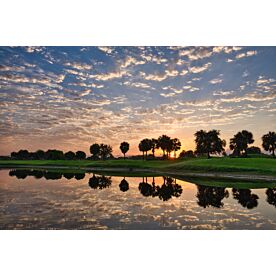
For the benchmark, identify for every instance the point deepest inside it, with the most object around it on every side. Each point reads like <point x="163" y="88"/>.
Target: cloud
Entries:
<point x="246" y="54"/>
<point x="105" y="49"/>
<point x="160" y="76"/>
<point x="200" y="69"/>
<point x="215" y="81"/>
<point x="131" y="61"/>
<point x="79" y="66"/>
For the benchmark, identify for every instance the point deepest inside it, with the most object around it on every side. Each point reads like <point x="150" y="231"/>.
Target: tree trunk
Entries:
<point x="153" y="152"/>
<point x="143" y="155"/>
<point x="146" y="155"/>
<point x="124" y="156"/>
<point x="208" y="155"/>
<point x="273" y="152"/>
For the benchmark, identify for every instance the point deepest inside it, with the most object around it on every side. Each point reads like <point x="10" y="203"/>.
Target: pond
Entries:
<point x="37" y="199"/>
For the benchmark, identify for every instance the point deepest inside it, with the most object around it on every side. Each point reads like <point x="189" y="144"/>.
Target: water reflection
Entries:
<point x="49" y="175"/>
<point x="165" y="192"/>
<point x="206" y="195"/>
<point x="211" y="196"/>
<point x="245" y="197"/>
<point x="51" y="199"/>
<point x="100" y="182"/>
<point x="271" y="196"/>
<point x="124" y="186"/>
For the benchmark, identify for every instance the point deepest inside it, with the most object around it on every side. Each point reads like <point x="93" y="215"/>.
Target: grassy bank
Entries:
<point x="263" y="166"/>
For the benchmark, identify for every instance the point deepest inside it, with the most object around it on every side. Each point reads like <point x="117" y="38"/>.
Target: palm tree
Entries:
<point x="154" y="146"/>
<point x="124" y="147"/>
<point x="145" y="145"/>
<point x="164" y="142"/>
<point x="269" y="142"/>
<point x="176" y="145"/>
<point x="141" y="147"/>
<point x="209" y="142"/>
<point x="239" y="143"/>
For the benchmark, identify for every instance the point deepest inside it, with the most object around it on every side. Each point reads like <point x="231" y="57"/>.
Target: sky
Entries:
<point x="71" y="97"/>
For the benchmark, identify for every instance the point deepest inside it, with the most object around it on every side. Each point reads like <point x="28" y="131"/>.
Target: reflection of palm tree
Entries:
<point x="245" y="198"/>
<point x="100" y="182"/>
<point x="165" y="192"/>
<point x="145" y="189"/>
<point x="271" y="196"/>
<point x="124" y="186"/>
<point x="211" y="196"/>
<point x="94" y="182"/>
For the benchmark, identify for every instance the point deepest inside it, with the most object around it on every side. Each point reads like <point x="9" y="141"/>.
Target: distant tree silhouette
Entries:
<point x="176" y="145"/>
<point x="211" y="196"/>
<point x="54" y="155"/>
<point x="105" y="151"/>
<point x="253" y="150"/>
<point x="145" y="145"/>
<point x="95" y="150"/>
<point x="124" y="147"/>
<point x="245" y="198"/>
<point x="21" y="155"/>
<point x="187" y="154"/>
<point x="154" y="146"/>
<point x="165" y="143"/>
<point x="239" y="143"/>
<point x="269" y="142"/>
<point x="40" y="155"/>
<point x="271" y="196"/>
<point x="80" y="155"/>
<point x="70" y="155"/>
<point x="99" y="182"/>
<point x="208" y="142"/>
<point x="124" y="186"/>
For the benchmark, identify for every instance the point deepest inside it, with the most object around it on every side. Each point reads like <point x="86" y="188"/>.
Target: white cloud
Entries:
<point x="199" y="69"/>
<point x="246" y="54"/>
<point x="215" y="81"/>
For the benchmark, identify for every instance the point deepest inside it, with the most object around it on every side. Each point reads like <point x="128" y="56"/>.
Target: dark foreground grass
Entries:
<point x="264" y="166"/>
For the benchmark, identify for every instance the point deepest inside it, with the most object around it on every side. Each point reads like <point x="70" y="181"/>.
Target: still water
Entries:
<point x="49" y="200"/>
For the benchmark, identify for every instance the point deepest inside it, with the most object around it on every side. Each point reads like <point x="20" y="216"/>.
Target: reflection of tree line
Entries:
<point x="49" y="175"/>
<point x="206" y="195"/>
<point x="165" y="192"/>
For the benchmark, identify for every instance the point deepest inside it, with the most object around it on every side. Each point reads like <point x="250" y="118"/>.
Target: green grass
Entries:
<point x="264" y="166"/>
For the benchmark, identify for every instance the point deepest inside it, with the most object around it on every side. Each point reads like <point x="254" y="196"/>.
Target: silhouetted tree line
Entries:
<point x="100" y="151"/>
<point x="164" y="142"/>
<point x="207" y="143"/>
<point x="48" y="155"/>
